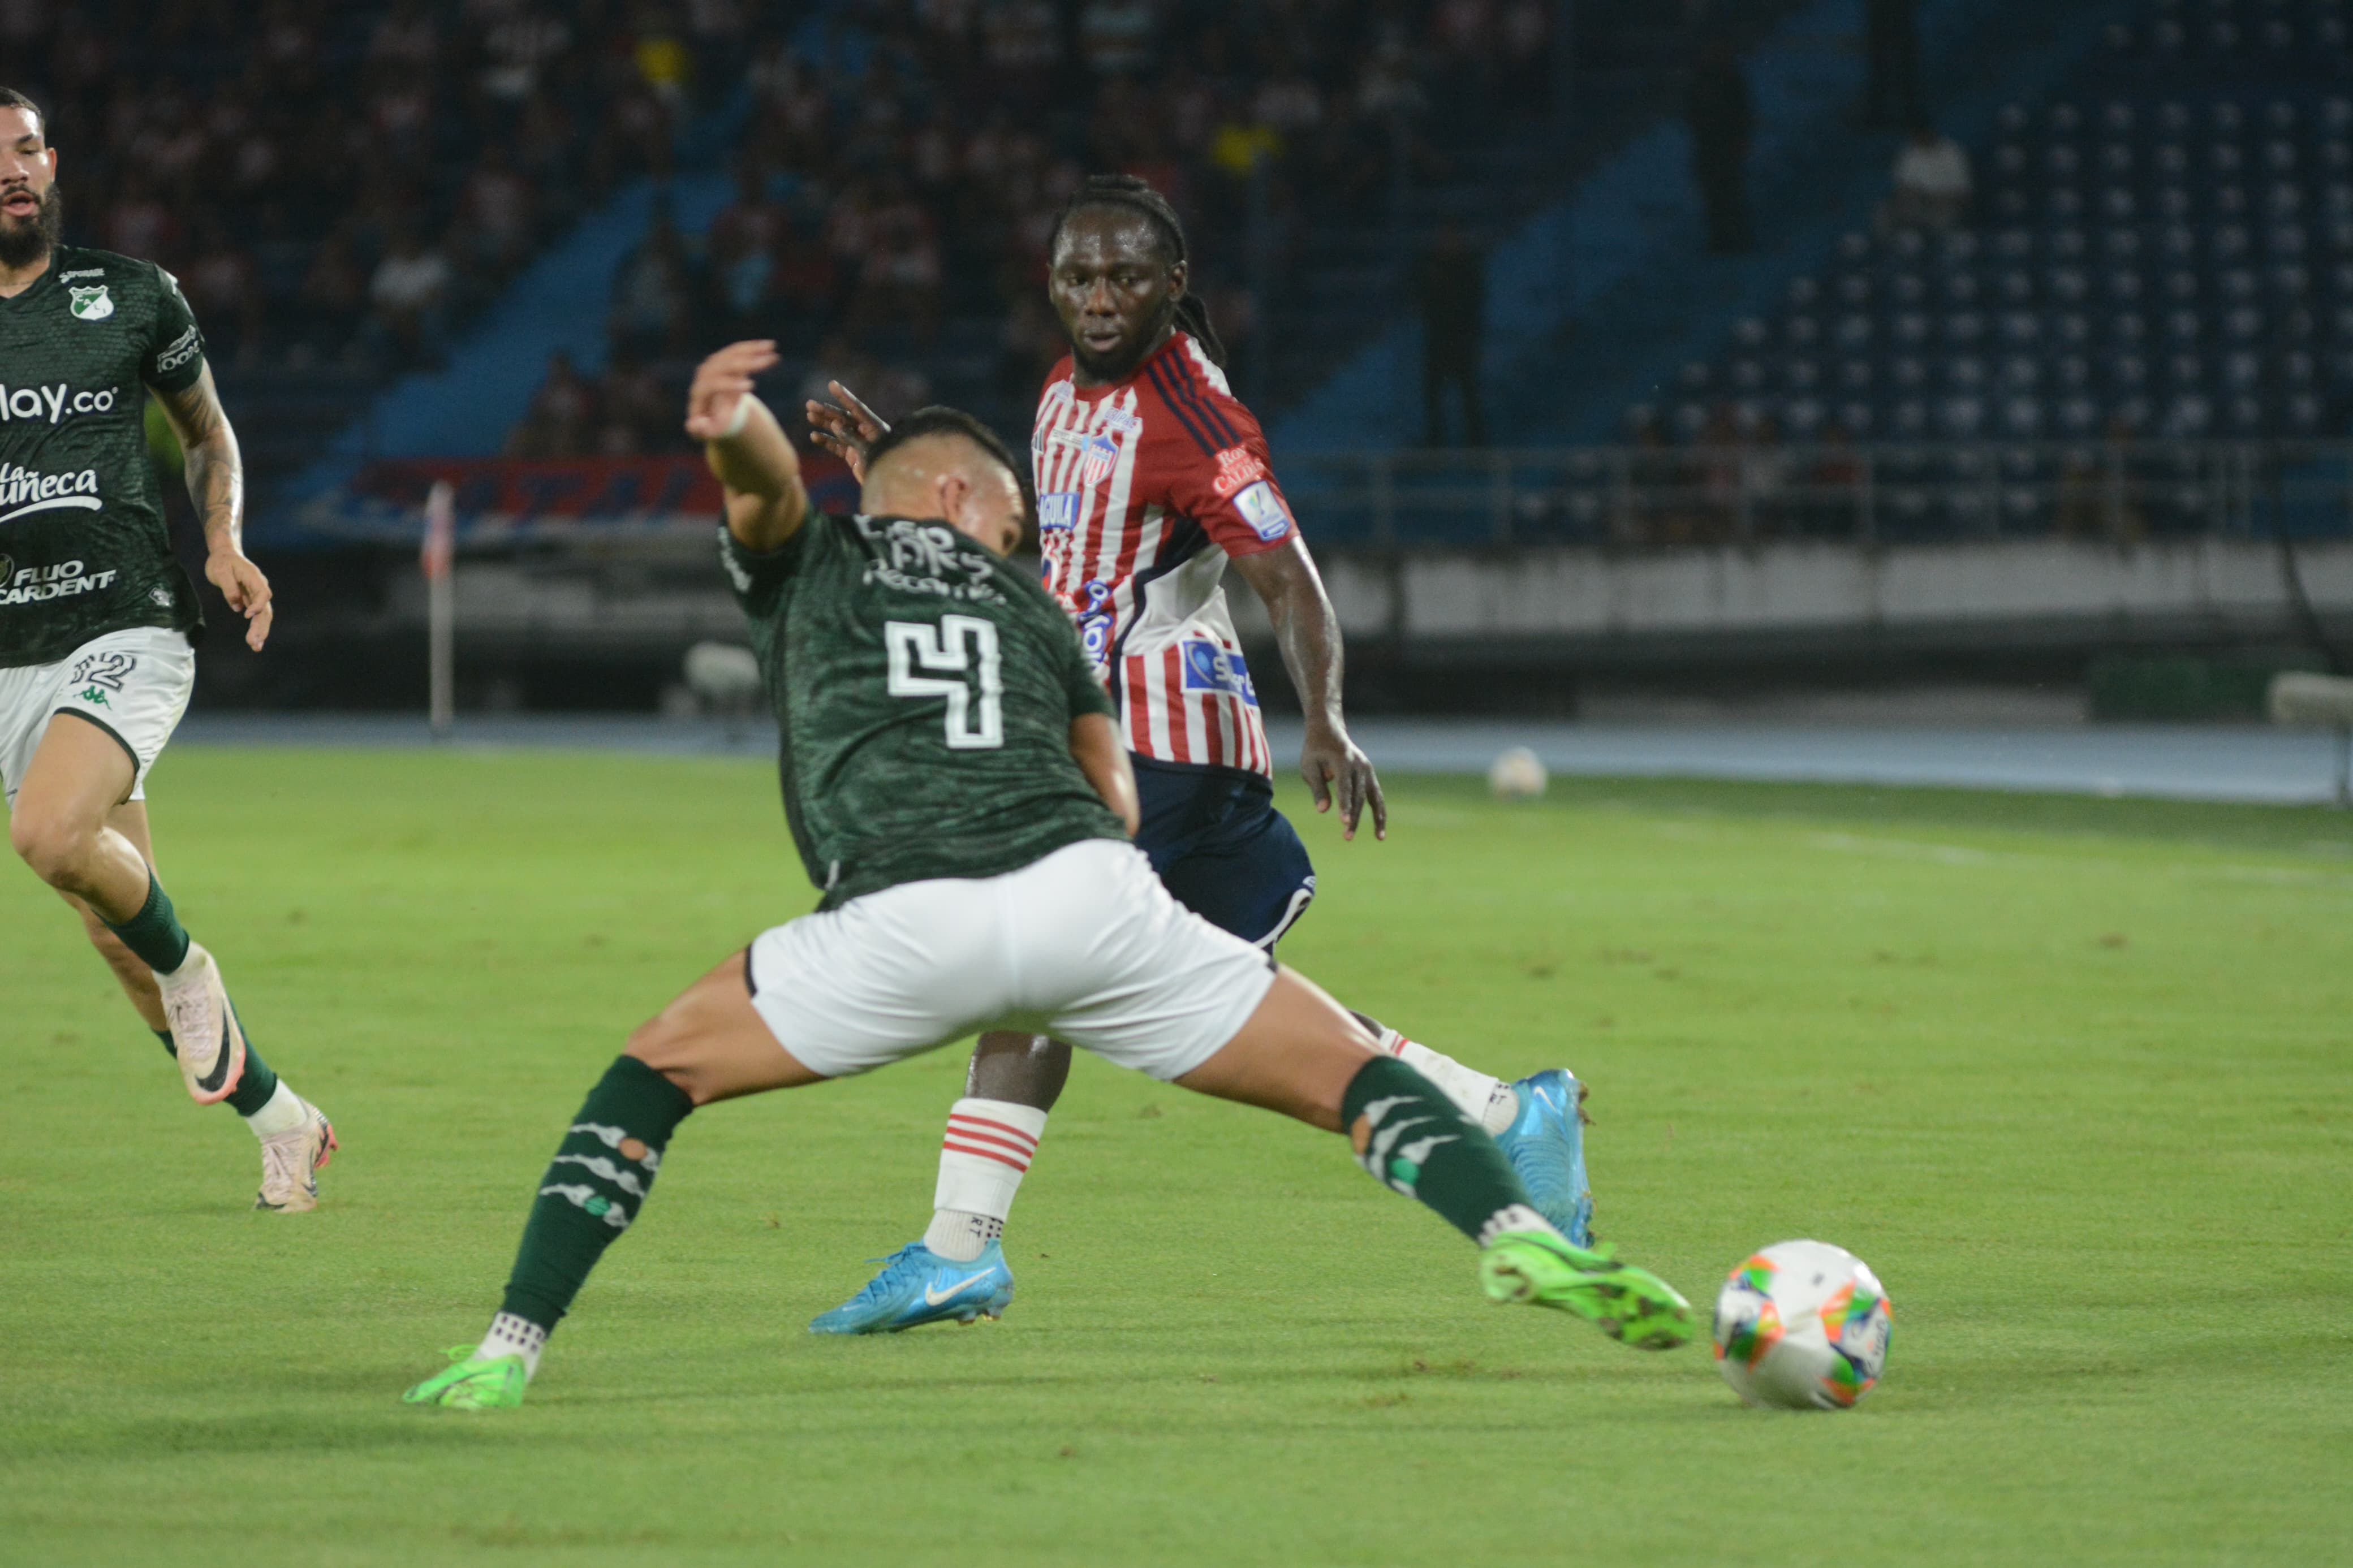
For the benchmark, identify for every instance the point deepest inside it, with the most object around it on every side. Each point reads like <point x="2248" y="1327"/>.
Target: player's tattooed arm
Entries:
<point x="1308" y="633"/>
<point x="846" y="428"/>
<point x="1102" y="756"/>
<point x="216" y="475"/>
<point x="748" y="451"/>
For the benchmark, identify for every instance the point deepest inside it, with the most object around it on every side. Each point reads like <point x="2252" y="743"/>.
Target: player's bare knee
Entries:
<point x="56" y="848"/>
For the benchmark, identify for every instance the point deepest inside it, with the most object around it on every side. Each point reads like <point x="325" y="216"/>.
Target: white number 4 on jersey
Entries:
<point x="958" y="645"/>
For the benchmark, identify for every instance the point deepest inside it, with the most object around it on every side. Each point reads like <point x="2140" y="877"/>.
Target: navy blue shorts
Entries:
<point x="1219" y="846"/>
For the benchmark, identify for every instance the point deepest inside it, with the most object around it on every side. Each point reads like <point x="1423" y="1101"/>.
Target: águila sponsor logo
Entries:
<point x="65" y="580"/>
<point x="52" y="404"/>
<point x="22" y="491"/>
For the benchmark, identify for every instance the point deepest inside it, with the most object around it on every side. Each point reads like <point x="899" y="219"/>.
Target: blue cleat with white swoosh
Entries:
<point x="918" y="1286"/>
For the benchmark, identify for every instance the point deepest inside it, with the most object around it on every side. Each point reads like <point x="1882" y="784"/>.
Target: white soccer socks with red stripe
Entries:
<point x="1490" y="1102"/>
<point x="986" y="1152"/>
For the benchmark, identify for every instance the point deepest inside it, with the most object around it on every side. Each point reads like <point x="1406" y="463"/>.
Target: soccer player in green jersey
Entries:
<point x="956" y="787"/>
<point x="98" y="622"/>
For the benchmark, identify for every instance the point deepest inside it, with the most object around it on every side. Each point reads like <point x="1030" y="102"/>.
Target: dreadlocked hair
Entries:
<point x="1128" y="194"/>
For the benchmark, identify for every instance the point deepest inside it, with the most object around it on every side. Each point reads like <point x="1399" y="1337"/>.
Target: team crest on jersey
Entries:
<point x="92" y="304"/>
<point x="1101" y="457"/>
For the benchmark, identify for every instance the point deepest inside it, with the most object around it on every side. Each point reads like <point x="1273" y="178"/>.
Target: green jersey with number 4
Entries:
<point x="84" y="548"/>
<point x="924" y="690"/>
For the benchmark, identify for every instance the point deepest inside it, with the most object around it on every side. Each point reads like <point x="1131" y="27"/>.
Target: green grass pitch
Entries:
<point x="2076" y="1077"/>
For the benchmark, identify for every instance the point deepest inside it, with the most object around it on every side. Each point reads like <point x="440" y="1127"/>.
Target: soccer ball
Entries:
<point x="1517" y="774"/>
<point x="1802" y="1325"/>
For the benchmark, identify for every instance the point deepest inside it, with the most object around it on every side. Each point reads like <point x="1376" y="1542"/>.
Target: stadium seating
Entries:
<point x="274" y="156"/>
<point x="2161" y="252"/>
<point x="977" y="173"/>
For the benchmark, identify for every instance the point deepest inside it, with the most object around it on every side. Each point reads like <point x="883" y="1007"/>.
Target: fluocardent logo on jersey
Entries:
<point x="24" y="493"/>
<point x="64" y="580"/>
<point x="51" y="404"/>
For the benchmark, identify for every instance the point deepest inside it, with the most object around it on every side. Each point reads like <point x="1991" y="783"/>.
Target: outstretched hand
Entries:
<point x="1336" y="769"/>
<point x="721" y="383"/>
<point x="247" y="591"/>
<point x="847" y="430"/>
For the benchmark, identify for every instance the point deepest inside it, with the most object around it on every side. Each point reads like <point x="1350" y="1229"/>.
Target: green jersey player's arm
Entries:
<point x="748" y="451"/>
<point x="215" y="478"/>
<point x="1096" y="747"/>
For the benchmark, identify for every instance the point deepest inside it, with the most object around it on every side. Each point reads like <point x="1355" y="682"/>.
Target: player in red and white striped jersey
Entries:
<point x="1148" y="486"/>
<point x="1151" y="479"/>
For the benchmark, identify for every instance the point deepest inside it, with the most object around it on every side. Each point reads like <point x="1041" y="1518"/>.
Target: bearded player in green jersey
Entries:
<point x="956" y="785"/>
<point x="98" y="622"/>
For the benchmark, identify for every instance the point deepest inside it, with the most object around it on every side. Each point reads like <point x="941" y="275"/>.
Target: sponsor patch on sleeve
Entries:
<point x="1237" y="466"/>
<point x="1263" y="510"/>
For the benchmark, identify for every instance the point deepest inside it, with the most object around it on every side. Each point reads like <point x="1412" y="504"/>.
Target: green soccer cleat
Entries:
<point x="1633" y="1305"/>
<point x="468" y="1383"/>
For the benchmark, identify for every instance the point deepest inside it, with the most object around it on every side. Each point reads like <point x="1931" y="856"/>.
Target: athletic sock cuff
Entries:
<point x="1418" y="1143"/>
<point x="984" y="1153"/>
<point x="641" y="1097"/>
<point x="1381" y="1078"/>
<point x="997" y="1126"/>
<point x="155" y="933"/>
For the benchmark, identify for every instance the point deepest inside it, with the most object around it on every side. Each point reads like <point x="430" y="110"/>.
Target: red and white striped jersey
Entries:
<point x="1145" y="489"/>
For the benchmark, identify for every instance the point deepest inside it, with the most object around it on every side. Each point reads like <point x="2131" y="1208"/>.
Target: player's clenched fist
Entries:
<point x="715" y="402"/>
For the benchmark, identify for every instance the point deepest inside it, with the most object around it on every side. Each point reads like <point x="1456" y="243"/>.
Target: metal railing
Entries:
<point x="1662" y="497"/>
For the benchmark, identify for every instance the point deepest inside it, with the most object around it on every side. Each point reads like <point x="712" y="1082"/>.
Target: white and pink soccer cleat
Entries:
<point x="292" y="1161"/>
<point x="205" y="1033"/>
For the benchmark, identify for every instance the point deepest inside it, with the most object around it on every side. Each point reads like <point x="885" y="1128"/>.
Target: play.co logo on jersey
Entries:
<point x="52" y="404"/>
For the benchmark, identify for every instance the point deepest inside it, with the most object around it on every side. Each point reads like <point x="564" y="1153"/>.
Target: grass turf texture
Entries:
<point x="2072" y="1076"/>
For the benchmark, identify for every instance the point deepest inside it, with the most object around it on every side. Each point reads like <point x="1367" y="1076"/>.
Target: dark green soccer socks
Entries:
<point x="1420" y="1144"/>
<point x="593" y="1187"/>
<point x="155" y="933"/>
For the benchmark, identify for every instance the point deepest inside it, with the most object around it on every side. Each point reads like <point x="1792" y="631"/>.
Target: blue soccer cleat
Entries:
<point x="918" y="1286"/>
<point x="1545" y="1144"/>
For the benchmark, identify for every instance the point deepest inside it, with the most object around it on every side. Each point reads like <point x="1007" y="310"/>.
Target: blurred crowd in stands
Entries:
<point x="1740" y="480"/>
<point x="348" y="181"/>
<point x="900" y="162"/>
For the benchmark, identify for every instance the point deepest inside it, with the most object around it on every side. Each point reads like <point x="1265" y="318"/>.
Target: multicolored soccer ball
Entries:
<point x="1802" y="1325"/>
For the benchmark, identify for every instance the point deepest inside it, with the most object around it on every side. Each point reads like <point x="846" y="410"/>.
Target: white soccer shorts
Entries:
<point x="1084" y="945"/>
<point x="133" y="684"/>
